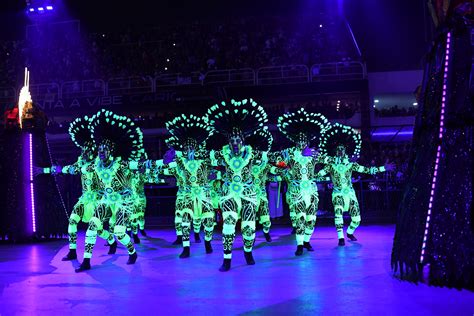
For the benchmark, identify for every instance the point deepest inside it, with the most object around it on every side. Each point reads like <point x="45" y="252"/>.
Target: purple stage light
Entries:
<point x="40" y="9"/>
<point x="49" y="7"/>
<point x="438" y="153"/>
<point x="32" y="10"/>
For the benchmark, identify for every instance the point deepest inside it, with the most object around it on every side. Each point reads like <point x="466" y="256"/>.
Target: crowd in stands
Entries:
<point x="378" y="154"/>
<point x="62" y="53"/>
<point x="396" y="111"/>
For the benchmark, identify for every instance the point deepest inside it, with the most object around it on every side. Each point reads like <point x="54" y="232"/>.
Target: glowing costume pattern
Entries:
<point x="237" y="121"/>
<point x="301" y="128"/>
<point x="137" y="219"/>
<point x="119" y="143"/>
<point x="191" y="163"/>
<point x="239" y="197"/>
<point x="261" y="142"/>
<point x="173" y="143"/>
<point x="85" y="206"/>
<point x="340" y="169"/>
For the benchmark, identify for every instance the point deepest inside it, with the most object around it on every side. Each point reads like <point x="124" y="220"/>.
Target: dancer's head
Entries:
<point x="189" y="133"/>
<point x="302" y="127"/>
<point x="105" y="151"/>
<point x="302" y="141"/>
<point x="237" y="121"/>
<point x="116" y="136"/>
<point x="236" y="141"/>
<point x="340" y="150"/>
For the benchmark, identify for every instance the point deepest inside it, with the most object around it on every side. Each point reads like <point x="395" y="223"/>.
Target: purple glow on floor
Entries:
<point x="351" y="280"/>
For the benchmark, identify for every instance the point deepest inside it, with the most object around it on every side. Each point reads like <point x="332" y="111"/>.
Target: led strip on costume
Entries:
<point x="32" y="187"/>
<point x="438" y="153"/>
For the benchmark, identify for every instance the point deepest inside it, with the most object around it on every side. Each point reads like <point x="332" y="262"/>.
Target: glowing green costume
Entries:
<point x="119" y="144"/>
<point x="301" y="128"/>
<point x="84" y="166"/>
<point x="236" y="121"/>
<point x="340" y="169"/>
<point x="262" y="143"/>
<point x="192" y="131"/>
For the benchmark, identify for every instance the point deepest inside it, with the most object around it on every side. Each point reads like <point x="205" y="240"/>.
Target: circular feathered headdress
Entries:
<point x="262" y="140"/>
<point x="302" y="124"/>
<point x="339" y="134"/>
<point x="241" y="118"/>
<point x="189" y="128"/>
<point x="216" y="141"/>
<point x="80" y="132"/>
<point x="119" y="132"/>
<point x="173" y="142"/>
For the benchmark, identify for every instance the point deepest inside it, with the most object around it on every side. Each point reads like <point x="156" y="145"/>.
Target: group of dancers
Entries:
<point x="222" y="160"/>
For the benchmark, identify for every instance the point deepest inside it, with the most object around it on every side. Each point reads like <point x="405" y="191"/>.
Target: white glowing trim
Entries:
<point x="32" y="187"/>
<point x="24" y="97"/>
<point x="438" y="153"/>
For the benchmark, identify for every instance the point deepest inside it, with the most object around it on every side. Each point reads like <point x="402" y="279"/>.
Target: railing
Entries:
<point x="130" y="85"/>
<point x="178" y="79"/>
<point x="85" y="88"/>
<point x="48" y="92"/>
<point x="338" y="71"/>
<point x="244" y="76"/>
<point x="229" y="77"/>
<point x="282" y="74"/>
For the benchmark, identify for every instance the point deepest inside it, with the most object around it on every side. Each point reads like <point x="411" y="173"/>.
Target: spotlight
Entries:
<point x="376" y="101"/>
<point x="166" y="68"/>
<point x="167" y="59"/>
<point x="49" y="7"/>
<point x="40" y="9"/>
<point x="415" y="103"/>
<point x="320" y="25"/>
<point x="32" y="10"/>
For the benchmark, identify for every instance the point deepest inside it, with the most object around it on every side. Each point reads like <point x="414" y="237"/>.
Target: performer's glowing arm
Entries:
<point x="369" y="170"/>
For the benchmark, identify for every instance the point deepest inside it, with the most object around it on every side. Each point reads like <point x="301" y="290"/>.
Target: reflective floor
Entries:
<point x="351" y="280"/>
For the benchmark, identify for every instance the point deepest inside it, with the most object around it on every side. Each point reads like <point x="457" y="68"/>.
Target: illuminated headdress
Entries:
<point x="119" y="132"/>
<point x="262" y="140"/>
<point x="173" y="142"/>
<point x="189" y="129"/>
<point x="241" y="118"/>
<point x="302" y="125"/>
<point x="80" y="133"/>
<point x="337" y="135"/>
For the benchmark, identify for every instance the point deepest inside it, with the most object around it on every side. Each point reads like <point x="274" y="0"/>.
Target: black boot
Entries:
<point x="85" y="265"/>
<point x="197" y="238"/>
<point x="308" y="246"/>
<point x="268" y="238"/>
<point x="208" y="246"/>
<point x="299" y="250"/>
<point x="186" y="252"/>
<point x="249" y="258"/>
<point x="293" y="231"/>
<point x="132" y="258"/>
<point x="136" y="240"/>
<point x="351" y="237"/>
<point x="225" y="265"/>
<point x="341" y="242"/>
<point x="143" y="232"/>
<point x="178" y="241"/>
<point x="71" y="255"/>
<point x="113" y="248"/>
